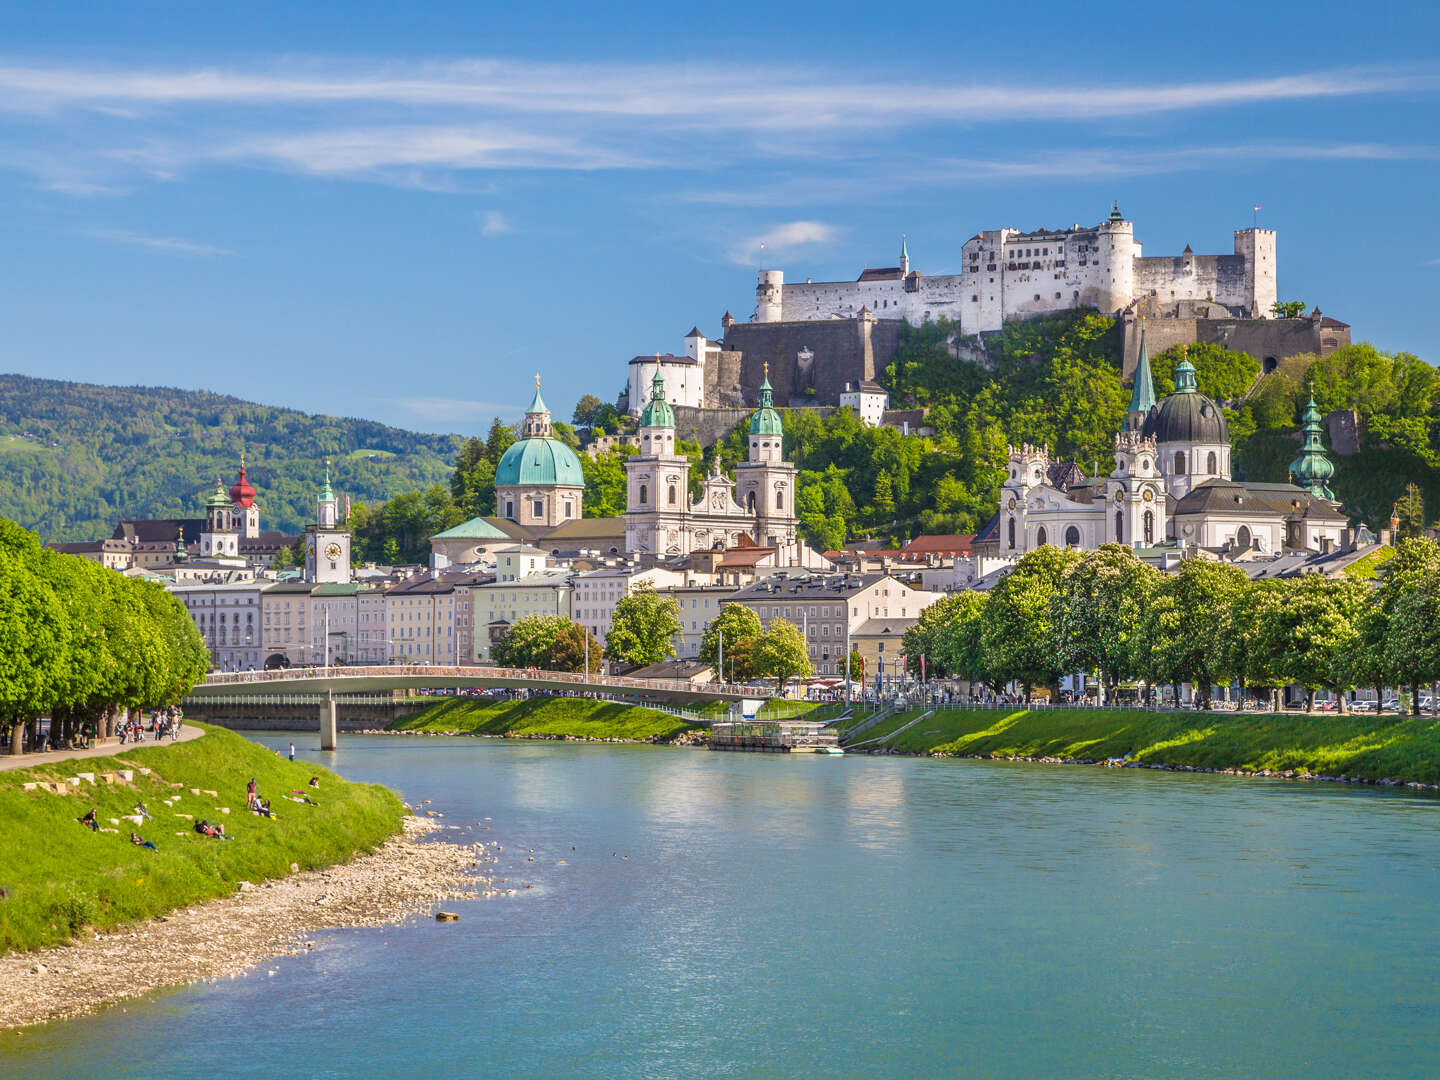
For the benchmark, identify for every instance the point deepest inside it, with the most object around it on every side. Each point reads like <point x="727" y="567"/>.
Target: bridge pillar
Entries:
<point x="329" y="723"/>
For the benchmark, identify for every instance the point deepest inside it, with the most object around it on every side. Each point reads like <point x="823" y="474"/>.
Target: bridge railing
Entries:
<point x="421" y="671"/>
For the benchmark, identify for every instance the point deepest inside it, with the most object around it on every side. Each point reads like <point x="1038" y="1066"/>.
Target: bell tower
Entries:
<point x="327" y="541"/>
<point x="657" y="504"/>
<point x="1135" y="491"/>
<point x="766" y="482"/>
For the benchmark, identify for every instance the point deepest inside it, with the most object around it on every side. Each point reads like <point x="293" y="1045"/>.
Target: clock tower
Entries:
<point x="327" y="541"/>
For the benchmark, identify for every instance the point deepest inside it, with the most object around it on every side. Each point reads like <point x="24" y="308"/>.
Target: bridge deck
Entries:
<point x="381" y="678"/>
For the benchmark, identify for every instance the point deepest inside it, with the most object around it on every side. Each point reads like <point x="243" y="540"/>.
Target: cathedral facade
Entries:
<point x="757" y="506"/>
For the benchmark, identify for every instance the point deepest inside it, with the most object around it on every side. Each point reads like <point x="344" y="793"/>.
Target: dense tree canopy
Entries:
<point x="643" y="629"/>
<point x="77" y="640"/>
<point x="549" y="642"/>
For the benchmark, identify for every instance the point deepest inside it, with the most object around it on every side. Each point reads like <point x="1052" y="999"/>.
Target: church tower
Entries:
<point x="904" y="257"/>
<point x="658" y="483"/>
<point x="246" y="514"/>
<point x="766" y="482"/>
<point x="327" y="541"/>
<point x="1143" y="398"/>
<point x="1135" y="493"/>
<point x="219" y="538"/>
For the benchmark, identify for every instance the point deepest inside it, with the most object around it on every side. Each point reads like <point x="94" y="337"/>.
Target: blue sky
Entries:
<point x="376" y="211"/>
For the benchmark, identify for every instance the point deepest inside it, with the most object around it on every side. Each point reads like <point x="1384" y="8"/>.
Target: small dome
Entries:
<point x="766" y="421"/>
<point x="540" y="461"/>
<point x="242" y="494"/>
<point x="657" y="411"/>
<point x="218" y="497"/>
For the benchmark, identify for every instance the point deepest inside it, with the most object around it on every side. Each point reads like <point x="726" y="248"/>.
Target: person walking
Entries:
<point x="292" y="751"/>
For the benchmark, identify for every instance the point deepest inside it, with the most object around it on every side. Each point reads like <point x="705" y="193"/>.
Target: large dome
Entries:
<point x="540" y="461"/>
<point x="1186" y="416"/>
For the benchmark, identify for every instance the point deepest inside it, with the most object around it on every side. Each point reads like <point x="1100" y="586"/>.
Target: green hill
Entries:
<point x="78" y="457"/>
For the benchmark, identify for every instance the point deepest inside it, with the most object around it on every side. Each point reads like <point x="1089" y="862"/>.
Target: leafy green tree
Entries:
<point x="643" y="628"/>
<point x="1019" y="639"/>
<point x="857" y="666"/>
<point x="1183" y="628"/>
<point x="1288" y="309"/>
<point x="605" y="483"/>
<point x="1413" y="636"/>
<point x="1410" y="509"/>
<point x="586" y="410"/>
<point x="529" y="641"/>
<point x="780" y="653"/>
<point x="1416" y="561"/>
<point x="1098" y="614"/>
<point x="1220" y="373"/>
<point x="35" y="648"/>
<point x="741" y="628"/>
<point x="1310" y="630"/>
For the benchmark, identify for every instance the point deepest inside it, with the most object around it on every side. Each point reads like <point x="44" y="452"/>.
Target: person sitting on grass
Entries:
<point x="315" y="781"/>
<point x="90" y="819"/>
<point x="138" y="842"/>
<point x="261" y="807"/>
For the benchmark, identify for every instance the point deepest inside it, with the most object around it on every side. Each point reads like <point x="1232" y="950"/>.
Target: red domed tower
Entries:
<point x="247" y="514"/>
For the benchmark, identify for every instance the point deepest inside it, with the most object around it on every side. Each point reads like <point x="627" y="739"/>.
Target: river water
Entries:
<point x="751" y="915"/>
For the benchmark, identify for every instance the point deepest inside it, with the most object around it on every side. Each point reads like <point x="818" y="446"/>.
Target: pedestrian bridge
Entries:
<point x="326" y="684"/>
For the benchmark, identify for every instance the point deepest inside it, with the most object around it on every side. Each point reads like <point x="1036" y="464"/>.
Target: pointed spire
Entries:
<point x="326" y="494"/>
<point x="1311" y="468"/>
<point x="904" y="249"/>
<point x="537" y="403"/>
<point x="1143" y="399"/>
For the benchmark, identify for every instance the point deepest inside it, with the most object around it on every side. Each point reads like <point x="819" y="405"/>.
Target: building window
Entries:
<point x="1072" y="537"/>
<point x="779" y="500"/>
<point x="509" y="509"/>
<point x="1012" y="532"/>
<point x="644" y="495"/>
<point x="1179" y="463"/>
<point x="672" y="494"/>
<point x="1119" y="527"/>
<point x="1041" y="538"/>
<point x="1210" y="464"/>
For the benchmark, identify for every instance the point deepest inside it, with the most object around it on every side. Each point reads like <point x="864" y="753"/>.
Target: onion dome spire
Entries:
<point x="1311" y="469"/>
<point x="766" y="421"/>
<point x="242" y="494"/>
<point x="657" y="412"/>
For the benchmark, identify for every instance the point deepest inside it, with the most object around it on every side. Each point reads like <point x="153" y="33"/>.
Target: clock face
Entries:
<point x="332" y="551"/>
<point x="1149" y="495"/>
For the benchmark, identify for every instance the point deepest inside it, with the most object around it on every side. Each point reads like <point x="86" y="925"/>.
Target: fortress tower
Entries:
<point x="769" y="293"/>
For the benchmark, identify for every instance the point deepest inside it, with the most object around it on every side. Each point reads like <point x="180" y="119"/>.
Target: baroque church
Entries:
<point x="1171" y="485"/>
<point x="757" y="507"/>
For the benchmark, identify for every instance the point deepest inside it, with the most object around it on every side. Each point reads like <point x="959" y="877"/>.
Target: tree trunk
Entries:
<point x="1309" y="699"/>
<point x="1341" y="703"/>
<point x="17" y="738"/>
<point x="1435" y="699"/>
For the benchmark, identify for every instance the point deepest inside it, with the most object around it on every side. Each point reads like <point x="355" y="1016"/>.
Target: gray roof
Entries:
<point x="1287" y="500"/>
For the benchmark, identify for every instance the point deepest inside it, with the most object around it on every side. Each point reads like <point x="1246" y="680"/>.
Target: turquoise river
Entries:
<point x="748" y="915"/>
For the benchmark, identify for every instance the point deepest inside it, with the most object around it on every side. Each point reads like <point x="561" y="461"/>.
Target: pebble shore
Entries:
<point x="224" y="937"/>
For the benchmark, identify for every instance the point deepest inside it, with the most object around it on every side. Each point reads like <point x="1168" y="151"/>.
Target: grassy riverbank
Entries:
<point x="61" y="876"/>
<point x="558" y="717"/>
<point x="1371" y="747"/>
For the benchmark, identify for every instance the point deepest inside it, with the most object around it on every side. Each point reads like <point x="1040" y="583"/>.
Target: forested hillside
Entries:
<point x="75" y="457"/>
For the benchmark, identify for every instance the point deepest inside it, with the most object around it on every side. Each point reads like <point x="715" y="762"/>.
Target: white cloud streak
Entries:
<point x="688" y="95"/>
<point x="781" y="241"/>
<point x="494" y="223"/>
<point x="169" y="245"/>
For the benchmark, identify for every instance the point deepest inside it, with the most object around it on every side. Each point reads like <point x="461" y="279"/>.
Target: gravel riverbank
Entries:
<point x="405" y="877"/>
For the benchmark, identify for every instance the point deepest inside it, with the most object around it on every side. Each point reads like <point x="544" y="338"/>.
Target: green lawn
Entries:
<point x="1358" y="745"/>
<point x="883" y="730"/>
<point x="580" y="718"/>
<point x="61" y="876"/>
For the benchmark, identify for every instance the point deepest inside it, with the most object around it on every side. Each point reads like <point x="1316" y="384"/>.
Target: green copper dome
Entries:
<point x="1311" y="469"/>
<point x="766" y="420"/>
<point x="539" y="461"/>
<point x="657" y="412"/>
<point x="219" y="498"/>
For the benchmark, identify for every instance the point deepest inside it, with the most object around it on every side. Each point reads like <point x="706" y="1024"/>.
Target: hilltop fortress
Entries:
<point x="1006" y="274"/>
<point x="826" y="342"/>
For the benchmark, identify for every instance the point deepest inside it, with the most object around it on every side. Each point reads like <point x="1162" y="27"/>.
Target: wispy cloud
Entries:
<point x="494" y="223"/>
<point x="422" y="124"/>
<point x="170" y="245"/>
<point x="454" y="409"/>
<point x="690" y="93"/>
<point x="781" y="241"/>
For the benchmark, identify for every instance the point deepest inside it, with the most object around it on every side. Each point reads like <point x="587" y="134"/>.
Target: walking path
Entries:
<point x="105" y="749"/>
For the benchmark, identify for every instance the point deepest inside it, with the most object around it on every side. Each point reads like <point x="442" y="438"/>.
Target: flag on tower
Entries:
<point x="347" y="507"/>
<point x="1256" y="208"/>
